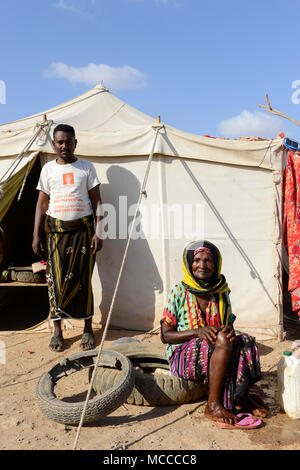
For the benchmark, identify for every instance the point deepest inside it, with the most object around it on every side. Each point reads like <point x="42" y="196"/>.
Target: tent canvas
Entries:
<point x="227" y="191"/>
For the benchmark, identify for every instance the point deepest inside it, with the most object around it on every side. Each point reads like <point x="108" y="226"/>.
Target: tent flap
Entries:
<point x="10" y="187"/>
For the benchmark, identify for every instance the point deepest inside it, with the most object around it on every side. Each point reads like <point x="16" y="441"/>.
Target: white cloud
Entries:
<point x="73" y="6"/>
<point x="251" y="124"/>
<point x="80" y="6"/>
<point x="116" y="78"/>
<point x="174" y="3"/>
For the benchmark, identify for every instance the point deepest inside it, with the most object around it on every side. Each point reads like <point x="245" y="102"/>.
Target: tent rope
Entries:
<point x="142" y="192"/>
<point x="44" y="126"/>
<point x="23" y="183"/>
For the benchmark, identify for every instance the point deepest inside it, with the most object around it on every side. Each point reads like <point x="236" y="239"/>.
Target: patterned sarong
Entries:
<point x="69" y="268"/>
<point x="191" y="360"/>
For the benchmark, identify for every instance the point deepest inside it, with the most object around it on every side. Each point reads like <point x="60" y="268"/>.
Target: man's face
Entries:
<point x="64" y="144"/>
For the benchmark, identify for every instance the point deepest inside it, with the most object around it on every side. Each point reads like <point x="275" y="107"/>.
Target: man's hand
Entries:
<point x="39" y="241"/>
<point x="38" y="246"/>
<point x="95" y="198"/>
<point x="96" y="244"/>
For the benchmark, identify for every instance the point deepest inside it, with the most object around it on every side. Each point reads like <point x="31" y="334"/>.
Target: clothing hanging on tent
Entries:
<point x="291" y="202"/>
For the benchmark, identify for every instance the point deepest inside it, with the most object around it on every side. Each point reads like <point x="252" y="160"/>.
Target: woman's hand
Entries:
<point x="209" y="333"/>
<point x="229" y="332"/>
<point x="171" y="336"/>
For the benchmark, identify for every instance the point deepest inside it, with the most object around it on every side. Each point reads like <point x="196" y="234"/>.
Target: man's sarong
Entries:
<point x="70" y="266"/>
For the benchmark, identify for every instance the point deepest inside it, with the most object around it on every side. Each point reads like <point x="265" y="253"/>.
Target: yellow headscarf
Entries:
<point x="215" y="285"/>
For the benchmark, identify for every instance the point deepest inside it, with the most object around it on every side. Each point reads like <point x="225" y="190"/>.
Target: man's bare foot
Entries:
<point x="217" y="412"/>
<point x="88" y="341"/>
<point x="56" y="342"/>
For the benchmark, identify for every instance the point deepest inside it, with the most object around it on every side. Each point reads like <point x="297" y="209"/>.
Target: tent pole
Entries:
<point x="142" y="192"/>
<point x="164" y="238"/>
<point x="281" y="255"/>
<point x="164" y="242"/>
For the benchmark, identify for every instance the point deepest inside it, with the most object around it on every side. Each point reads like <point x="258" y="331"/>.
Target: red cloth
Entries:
<point x="291" y="212"/>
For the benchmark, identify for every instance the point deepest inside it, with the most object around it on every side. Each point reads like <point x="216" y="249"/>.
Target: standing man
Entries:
<point x="67" y="208"/>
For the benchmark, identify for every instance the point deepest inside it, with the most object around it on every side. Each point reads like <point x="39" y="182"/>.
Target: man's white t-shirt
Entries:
<point x="68" y="186"/>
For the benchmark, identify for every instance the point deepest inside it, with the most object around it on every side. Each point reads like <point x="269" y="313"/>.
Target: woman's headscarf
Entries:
<point x="216" y="284"/>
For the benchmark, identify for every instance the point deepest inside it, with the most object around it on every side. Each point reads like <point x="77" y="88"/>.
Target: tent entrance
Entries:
<point x="22" y="304"/>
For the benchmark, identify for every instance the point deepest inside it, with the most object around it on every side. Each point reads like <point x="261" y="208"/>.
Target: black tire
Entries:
<point x="150" y="389"/>
<point x="109" y="401"/>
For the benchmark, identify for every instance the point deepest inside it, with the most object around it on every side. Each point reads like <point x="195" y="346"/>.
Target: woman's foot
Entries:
<point x="56" y="342"/>
<point x="217" y="412"/>
<point x="88" y="341"/>
<point x="252" y="403"/>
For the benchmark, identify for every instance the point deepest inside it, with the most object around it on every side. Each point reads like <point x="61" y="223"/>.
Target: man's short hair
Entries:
<point x="64" y="128"/>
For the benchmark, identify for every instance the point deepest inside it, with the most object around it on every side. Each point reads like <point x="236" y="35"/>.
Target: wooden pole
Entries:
<point x="276" y="112"/>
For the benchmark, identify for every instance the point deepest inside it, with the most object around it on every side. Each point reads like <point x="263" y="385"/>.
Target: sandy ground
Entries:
<point x="130" y="427"/>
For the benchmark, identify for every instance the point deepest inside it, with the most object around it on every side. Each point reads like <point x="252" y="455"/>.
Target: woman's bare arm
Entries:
<point x="168" y="335"/>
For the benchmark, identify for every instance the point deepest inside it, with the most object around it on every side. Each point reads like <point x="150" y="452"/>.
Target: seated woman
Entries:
<point x="197" y="325"/>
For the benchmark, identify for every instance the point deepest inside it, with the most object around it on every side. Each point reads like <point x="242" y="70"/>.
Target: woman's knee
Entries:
<point x="222" y="342"/>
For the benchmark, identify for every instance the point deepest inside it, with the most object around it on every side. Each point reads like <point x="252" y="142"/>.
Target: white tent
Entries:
<point x="227" y="191"/>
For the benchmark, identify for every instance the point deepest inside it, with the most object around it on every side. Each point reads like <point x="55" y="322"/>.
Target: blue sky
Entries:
<point x="202" y="66"/>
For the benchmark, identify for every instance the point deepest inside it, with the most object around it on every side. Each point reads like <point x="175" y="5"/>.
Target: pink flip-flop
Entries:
<point x="247" y="421"/>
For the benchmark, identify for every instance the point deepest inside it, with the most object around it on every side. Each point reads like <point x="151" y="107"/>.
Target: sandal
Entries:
<point x="247" y="421"/>
<point x="88" y="341"/>
<point x="56" y="343"/>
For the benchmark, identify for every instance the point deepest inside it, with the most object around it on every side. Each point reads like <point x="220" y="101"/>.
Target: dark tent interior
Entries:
<point x="22" y="305"/>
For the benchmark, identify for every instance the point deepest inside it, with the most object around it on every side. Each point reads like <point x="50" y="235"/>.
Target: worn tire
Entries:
<point x="106" y="403"/>
<point x="13" y="275"/>
<point x="150" y="389"/>
<point x="28" y="276"/>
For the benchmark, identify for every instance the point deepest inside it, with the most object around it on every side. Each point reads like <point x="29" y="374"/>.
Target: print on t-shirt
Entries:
<point x="68" y="178"/>
<point x="68" y="187"/>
